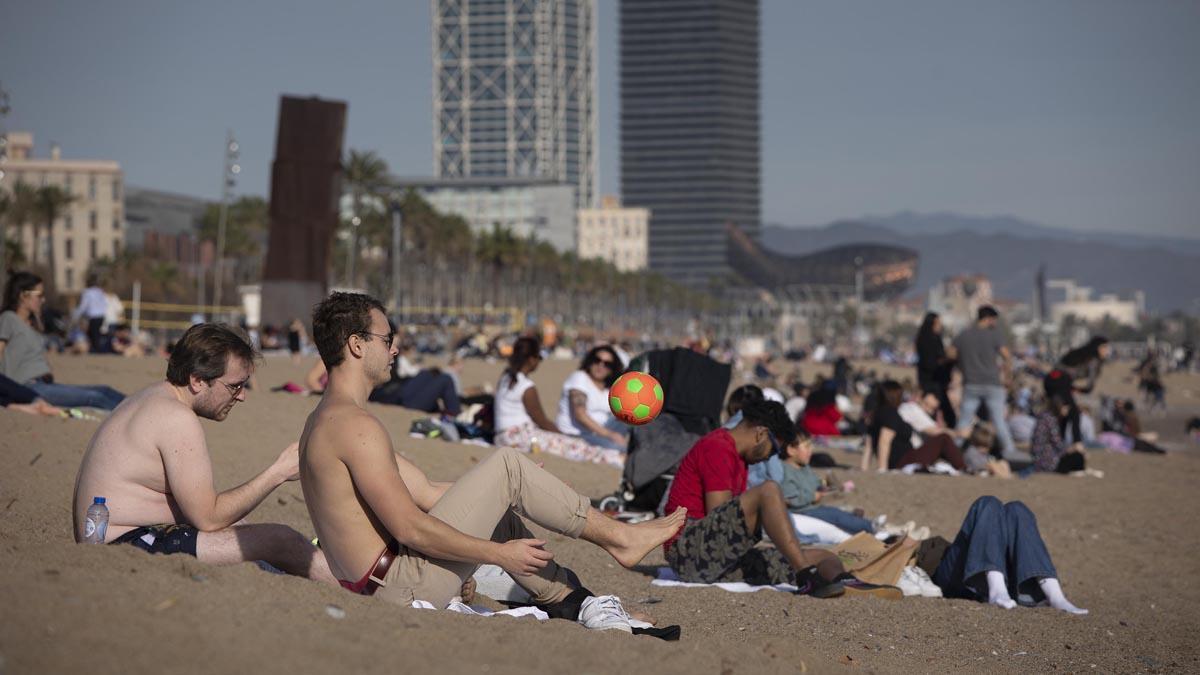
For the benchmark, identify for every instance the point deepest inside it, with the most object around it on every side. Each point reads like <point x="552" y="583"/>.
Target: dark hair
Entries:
<point x="18" y="283"/>
<point x="1055" y="403"/>
<point x="1088" y="352"/>
<point x="92" y="279"/>
<point x="892" y="394"/>
<point x="926" y="328"/>
<point x="615" y="369"/>
<point x="987" y="312"/>
<point x="523" y="349"/>
<point x="747" y="393"/>
<point x="204" y="350"/>
<point x="801" y="436"/>
<point x="338" y="317"/>
<point x="773" y="416"/>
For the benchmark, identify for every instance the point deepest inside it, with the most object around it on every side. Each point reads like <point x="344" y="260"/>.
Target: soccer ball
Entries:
<point x="636" y="398"/>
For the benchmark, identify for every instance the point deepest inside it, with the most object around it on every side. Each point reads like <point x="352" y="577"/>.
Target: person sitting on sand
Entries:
<point x="13" y="396"/>
<point x="23" y="349"/>
<point x="803" y="489"/>
<point x="150" y="461"/>
<point x="583" y="408"/>
<point x="892" y="437"/>
<point x="999" y="553"/>
<point x="1049" y="448"/>
<point x="389" y="531"/>
<point x="520" y="421"/>
<point x="726" y="518"/>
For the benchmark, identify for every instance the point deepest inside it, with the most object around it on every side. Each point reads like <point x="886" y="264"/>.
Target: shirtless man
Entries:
<point x="388" y="530"/>
<point x="150" y="461"/>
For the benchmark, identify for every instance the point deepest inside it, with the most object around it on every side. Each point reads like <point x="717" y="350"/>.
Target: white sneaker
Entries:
<point x="604" y="612"/>
<point x="920" y="534"/>
<point x="908" y="583"/>
<point x="924" y="583"/>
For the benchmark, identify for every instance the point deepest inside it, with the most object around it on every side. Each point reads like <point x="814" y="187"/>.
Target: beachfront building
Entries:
<point x="957" y="299"/>
<point x="530" y="207"/>
<point x="165" y="226"/>
<point x="615" y="234"/>
<point x="513" y="91"/>
<point x="1068" y="298"/>
<point x="90" y="226"/>
<point x="690" y="118"/>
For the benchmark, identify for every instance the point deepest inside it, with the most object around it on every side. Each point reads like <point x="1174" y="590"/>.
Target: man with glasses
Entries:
<point x="150" y="462"/>
<point x="726" y="518"/>
<point x="390" y="532"/>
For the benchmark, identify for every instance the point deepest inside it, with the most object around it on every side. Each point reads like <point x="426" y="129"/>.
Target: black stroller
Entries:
<point x="694" y="387"/>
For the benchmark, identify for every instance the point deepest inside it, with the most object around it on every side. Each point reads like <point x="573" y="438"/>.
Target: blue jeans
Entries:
<point x="839" y="519"/>
<point x="424" y="390"/>
<point x="78" y="396"/>
<point x="995" y="537"/>
<point x="995" y="398"/>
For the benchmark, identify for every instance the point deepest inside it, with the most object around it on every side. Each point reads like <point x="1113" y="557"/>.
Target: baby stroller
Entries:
<point x="694" y="388"/>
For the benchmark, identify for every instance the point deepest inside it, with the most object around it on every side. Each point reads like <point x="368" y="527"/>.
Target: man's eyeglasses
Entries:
<point x="387" y="337"/>
<point x="234" y="389"/>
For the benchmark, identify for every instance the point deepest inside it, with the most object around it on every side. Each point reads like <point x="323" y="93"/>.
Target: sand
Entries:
<point x="1125" y="547"/>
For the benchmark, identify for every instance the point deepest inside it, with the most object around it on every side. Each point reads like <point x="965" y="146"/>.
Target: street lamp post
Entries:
<point x="397" y="231"/>
<point x="351" y="250"/>
<point x="232" y="169"/>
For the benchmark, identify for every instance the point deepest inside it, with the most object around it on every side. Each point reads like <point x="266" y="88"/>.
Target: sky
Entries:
<point x="1074" y="113"/>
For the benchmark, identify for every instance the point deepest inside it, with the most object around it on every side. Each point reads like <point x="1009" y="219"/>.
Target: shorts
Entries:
<point x="165" y="539"/>
<point x="721" y="547"/>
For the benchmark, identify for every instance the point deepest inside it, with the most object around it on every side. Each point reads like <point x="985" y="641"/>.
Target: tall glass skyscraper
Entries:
<point x="690" y="127"/>
<point x="513" y="91"/>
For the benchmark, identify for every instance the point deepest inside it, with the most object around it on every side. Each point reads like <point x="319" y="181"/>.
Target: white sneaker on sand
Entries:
<point x="908" y="584"/>
<point x="928" y="588"/>
<point x="604" y="612"/>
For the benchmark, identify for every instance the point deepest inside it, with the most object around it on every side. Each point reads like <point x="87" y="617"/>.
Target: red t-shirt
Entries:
<point x="712" y="465"/>
<point x="822" y="421"/>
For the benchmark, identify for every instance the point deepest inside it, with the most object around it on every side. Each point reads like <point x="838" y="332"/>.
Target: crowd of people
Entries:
<point x="384" y="528"/>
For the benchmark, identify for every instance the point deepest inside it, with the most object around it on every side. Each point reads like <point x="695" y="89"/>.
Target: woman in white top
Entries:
<point x="583" y="408"/>
<point x="520" y="421"/>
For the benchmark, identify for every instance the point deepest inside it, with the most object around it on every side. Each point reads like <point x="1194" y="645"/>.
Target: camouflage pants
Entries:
<point x="721" y="547"/>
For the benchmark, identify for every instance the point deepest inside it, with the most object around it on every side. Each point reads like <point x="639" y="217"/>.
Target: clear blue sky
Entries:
<point x="1076" y="113"/>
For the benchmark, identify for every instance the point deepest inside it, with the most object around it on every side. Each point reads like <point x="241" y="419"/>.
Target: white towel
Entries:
<point x="484" y="611"/>
<point x="667" y="577"/>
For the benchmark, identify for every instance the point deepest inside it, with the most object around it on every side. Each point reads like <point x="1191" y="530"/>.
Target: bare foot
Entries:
<point x="641" y="616"/>
<point x="631" y="543"/>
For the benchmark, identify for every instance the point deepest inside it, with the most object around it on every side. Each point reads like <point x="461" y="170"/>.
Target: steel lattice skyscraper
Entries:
<point x="513" y="91"/>
<point x="690" y="127"/>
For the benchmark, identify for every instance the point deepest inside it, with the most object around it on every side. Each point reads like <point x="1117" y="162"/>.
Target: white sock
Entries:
<point x="998" y="591"/>
<point x="1054" y="595"/>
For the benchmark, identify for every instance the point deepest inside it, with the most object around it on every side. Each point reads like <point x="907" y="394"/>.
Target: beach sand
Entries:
<point x="1125" y="546"/>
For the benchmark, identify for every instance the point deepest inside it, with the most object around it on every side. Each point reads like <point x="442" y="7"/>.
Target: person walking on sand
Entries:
<point x="150" y="461"/>
<point x="389" y="531"/>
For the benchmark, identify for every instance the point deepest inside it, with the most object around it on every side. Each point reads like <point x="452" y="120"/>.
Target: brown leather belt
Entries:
<point x="376" y="579"/>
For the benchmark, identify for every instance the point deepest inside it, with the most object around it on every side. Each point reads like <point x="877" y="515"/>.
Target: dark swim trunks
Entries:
<point x="165" y="539"/>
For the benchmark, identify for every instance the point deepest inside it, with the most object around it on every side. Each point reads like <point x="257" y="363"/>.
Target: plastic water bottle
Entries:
<point x="95" y="525"/>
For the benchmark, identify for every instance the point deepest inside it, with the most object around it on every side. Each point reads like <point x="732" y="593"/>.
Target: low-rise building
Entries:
<point x="91" y="226"/>
<point x="1067" y="298"/>
<point x="615" y="234"/>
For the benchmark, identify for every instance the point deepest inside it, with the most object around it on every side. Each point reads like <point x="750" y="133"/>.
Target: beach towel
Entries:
<point x="667" y="577"/>
<point x="461" y="608"/>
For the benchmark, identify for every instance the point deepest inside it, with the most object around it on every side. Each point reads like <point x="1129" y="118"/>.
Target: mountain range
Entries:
<point x="1009" y="251"/>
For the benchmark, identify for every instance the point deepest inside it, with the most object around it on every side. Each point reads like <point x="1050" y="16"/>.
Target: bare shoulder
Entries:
<point x="344" y="429"/>
<point x="159" y="415"/>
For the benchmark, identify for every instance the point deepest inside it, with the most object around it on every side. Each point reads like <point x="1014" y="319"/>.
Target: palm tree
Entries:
<point x="366" y="174"/>
<point x="20" y="211"/>
<point x="49" y="202"/>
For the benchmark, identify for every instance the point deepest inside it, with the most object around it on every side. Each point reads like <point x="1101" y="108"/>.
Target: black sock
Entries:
<point x="569" y="607"/>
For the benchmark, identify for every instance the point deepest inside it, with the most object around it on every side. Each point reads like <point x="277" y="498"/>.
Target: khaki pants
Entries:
<point x="485" y="503"/>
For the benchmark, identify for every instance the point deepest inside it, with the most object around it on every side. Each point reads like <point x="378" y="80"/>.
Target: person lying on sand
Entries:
<point x="150" y="461"/>
<point x="389" y="531"/>
<point x="998" y="553"/>
<point x="726" y="519"/>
